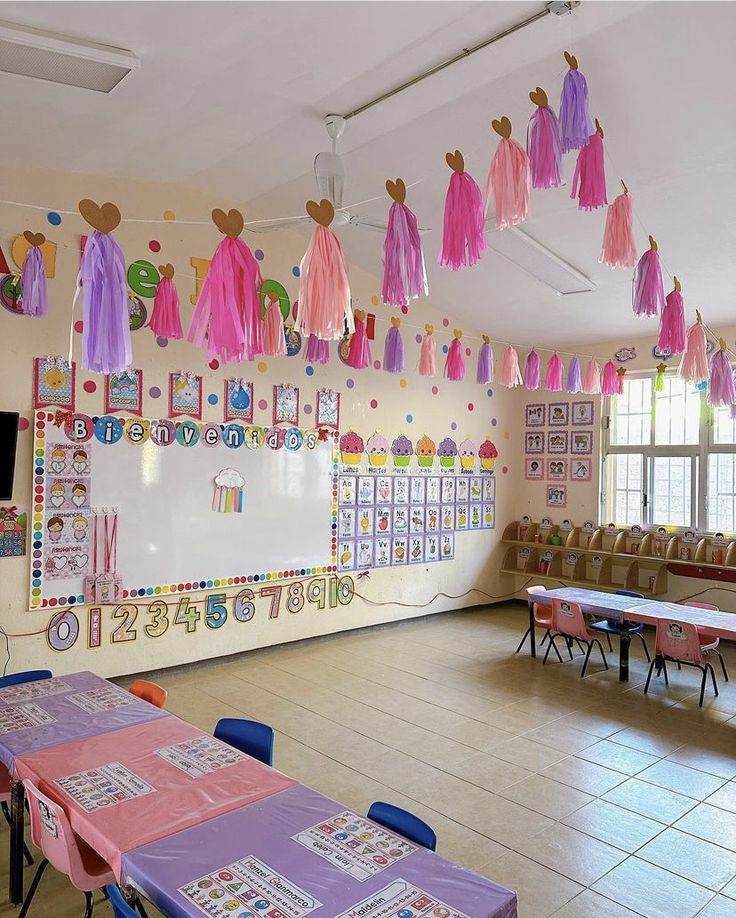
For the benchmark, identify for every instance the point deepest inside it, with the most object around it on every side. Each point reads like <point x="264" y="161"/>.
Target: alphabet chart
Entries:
<point x="103" y="787"/>
<point x="23" y="717"/>
<point x="401" y="899"/>
<point x="249" y="884"/>
<point x="200" y="756"/>
<point x="355" y="845"/>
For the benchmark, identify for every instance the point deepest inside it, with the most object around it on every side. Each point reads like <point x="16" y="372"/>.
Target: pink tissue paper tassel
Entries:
<point x="427" y="356"/>
<point x="721" y="391"/>
<point x="463" y="235"/>
<point x="672" y="334"/>
<point x="532" y="370"/>
<point x="274" y="339"/>
<point x="324" y="290"/>
<point x="620" y="382"/>
<point x="589" y="178"/>
<point x="555" y="374"/>
<point x="455" y="361"/>
<point x="359" y="353"/>
<point x="544" y="149"/>
<point x="648" y="285"/>
<point x="508" y="179"/>
<point x="592" y="379"/>
<point x="317" y="351"/>
<point x="393" y="351"/>
<point x="609" y="385"/>
<point x="165" y="321"/>
<point x="106" y="344"/>
<point x="228" y="310"/>
<point x="404" y="275"/>
<point x="484" y="369"/>
<point x="619" y="249"/>
<point x="575" y="122"/>
<point x="574" y="377"/>
<point x="510" y="372"/>
<point x="34" y="297"/>
<point x="694" y="363"/>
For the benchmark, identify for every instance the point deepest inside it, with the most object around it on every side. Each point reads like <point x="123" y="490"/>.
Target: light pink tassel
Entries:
<point x="619" y="249"/>
<point x="620" y="373"/>
<point x="609" y="385"/>
<point x="694" y="363"/>
<point x="274" y="339"/>
<point x="592" y="378"/>
<point x="427" y="353"/>
<point x="553" y="378"/>
<point x="671" y="339"/>
<point x="510" y="372"/>
<point x="589" y="178"/>
<point x="508" y="179"/>
<point x="165" y="321"/>
<point x="455" y="360"/>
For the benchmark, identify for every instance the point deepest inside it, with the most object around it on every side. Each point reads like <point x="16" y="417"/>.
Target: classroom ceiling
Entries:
<point x="230" y="98"/>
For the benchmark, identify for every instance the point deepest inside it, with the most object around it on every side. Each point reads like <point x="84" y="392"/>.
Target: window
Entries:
<point x="668" y="458"/>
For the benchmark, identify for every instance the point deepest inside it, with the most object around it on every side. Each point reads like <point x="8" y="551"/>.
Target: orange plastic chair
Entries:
<point x="150" y="692"/>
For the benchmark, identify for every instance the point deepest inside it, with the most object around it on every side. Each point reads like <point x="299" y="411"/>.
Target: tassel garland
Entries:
<point x="455" y="360"/>
<point x="721" y="391"/>
<point x="393" y="351"/>
<point x="543" y="144"/>
<point x="463" y="235"/>
<point x="165" y="321"/>
<point x="510" y="372"/>
<point x="484" y="370"/>
<point x="34" y="295"/>
<point x="317" y="350"/>
<point x="574" y="377"/>
<point x="555" y="374"/>
<point x="609" y="385"/>
<point x="694" y="363"/>
<point x="575" y="124"/>
<point x="619" y="249"/>
<point x="274" y="339"/>
<point x="359" y="352"/>
<point x="508" y="179"/>
<point x="589" y="178"/>
<point x="592" y="380"/>
<point x="532" y="370"/>
<point x="427" y="353"/>
<point x="648" y="284"/>
<point x="672" y="333"/>
<point x="404" y="275"/>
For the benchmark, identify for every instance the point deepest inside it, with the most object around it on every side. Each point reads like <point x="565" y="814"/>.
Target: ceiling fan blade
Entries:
<point x="271" y="226"/>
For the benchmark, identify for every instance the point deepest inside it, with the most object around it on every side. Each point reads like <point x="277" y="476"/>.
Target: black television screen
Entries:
<point x="8" y="439"/>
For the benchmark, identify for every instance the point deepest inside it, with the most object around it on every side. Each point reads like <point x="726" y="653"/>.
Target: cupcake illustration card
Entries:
<point x="425" y="451"/>
<point x="447" y="453"/>
<point x="402" y="450"/>
<point x="377" y="450"/>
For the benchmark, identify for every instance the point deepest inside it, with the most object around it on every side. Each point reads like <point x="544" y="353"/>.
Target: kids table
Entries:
<point x="298" y="852"/>
<point x="124" y="789"/>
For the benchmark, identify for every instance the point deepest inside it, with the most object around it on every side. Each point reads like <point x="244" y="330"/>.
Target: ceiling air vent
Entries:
<point x="60" y="59"/>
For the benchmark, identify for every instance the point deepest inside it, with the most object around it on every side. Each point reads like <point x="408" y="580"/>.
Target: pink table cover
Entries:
<point x="134" y="795"/>
<point x="719" y="624"/>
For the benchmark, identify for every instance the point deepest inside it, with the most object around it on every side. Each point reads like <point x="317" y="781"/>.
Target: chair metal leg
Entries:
<point x="33" y="887"/>
<point x="549" y="646"/>
<point x="600" y="647"/>
<point x="587" y="657"/>
<point x="545" y="637"/>
<point x="723" y="664"/>
<point x="90" y="905"/>
<point x="568" y="641"/>
<point x="713" y="678"/>
<point x="26" y="853"/>
<point x="702" y="686"/>
<point x="139" y="906"/>
<point x="610" y="645"/>
<point x="644" y="645"/>
<point x="649" y="675"/>
<point x="664" y="670"/>
<point x="521" y="642"/>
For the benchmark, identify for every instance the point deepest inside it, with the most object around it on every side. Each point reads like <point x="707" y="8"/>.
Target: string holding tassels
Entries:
<point x="463" y="234"/>
<point x="575" y="122"/>
<point x="34" y="300"/>
<point x="484" y="369"/>
<point x="543" y="144"/>
<point x="427" y="353"/>
<point x="165" y="321"/>
<point x="648" y="285"/>
<point x="404" y="274"/>
<point x="508" y="178"/>
<point x="455" y="360"/>
<point x="393" y="352"/>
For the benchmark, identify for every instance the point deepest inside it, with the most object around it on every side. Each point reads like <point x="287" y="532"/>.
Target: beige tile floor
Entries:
<point x="588" y="797"/>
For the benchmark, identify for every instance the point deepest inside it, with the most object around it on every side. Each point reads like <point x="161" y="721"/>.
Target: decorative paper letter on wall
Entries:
<point x="238" y="400"/>
<point x="185" y="394"/>
<point x="229" y="491"/>
<point x="124" y="391"/>
<point x="328" y="408"/>
<point x="53" y="382"/>
<point x="285" y="404"/>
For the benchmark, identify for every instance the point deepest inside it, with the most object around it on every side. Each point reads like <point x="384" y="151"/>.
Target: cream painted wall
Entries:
<point x="22" y="338"/>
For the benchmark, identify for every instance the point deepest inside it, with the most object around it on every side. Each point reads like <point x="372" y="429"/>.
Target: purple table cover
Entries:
<point x="263" y="834"/>
<point x="593" y="602"/>
<point x="50" y="712"/>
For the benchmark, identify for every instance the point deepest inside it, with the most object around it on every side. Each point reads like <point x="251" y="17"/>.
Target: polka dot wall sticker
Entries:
<point x="493" y="422"/>
<point x="445" y="322"/>
<point x="154" y="245"/>
<point x="169" y="215"/>
<point x="403" y="383"/>
<point x="375" y="300"/>
<point x="504" y="469"/>
<point x="405" y="310"/>
<point x="506" y="434"/>
<point x="23" y="423"/>
<point x="418" y="339"/>
<point x="349" y="383"/>
<point x="435" y="390"/>
<point x="90" y="385"/>
<point x="214" y="364"/>
<point x="162" y="342"/>
<point x="212" y="399"/>
<point x="259" y="254"/>
<point x="262" y="366"/>
<point x="154" y="392"/>
<point x="53" y="218"/>
<point x="374" y="403"/>
<point x="79" y="326"/>
<point x="468" y="352"/>
<point x="295" y="271"/>
<point x="307" y="409"/>
<point x="409" y="418"/>
<point x="445" y="349"/>
<point x="376" y="364"/>
<point x="453" y="426"/>
<point x="309" y="370"/>
<point x="489" y="393"/>
<point x="471" y="406"/>
<point x="263" y="404"/>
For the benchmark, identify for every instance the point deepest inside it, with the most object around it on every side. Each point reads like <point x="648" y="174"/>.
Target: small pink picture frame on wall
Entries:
<point x="581" y="470"/>
<point x="328" y="408"/>
<point x="239" y="400"/>
<point x="556" y="469"/>
<point x="124" y="392"/>
<point x="185" y="395"/>
<point x="557" y="495"/>
<point x="53" y="382"/>
<point x="534" y="469"/>
<point x="285" y="404"/>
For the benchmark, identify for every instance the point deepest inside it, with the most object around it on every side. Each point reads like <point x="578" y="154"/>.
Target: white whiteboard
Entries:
<point x="168" y="533"/>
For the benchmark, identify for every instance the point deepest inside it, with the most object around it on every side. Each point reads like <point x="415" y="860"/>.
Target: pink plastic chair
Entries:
<point x="69" y="854"/>
<point x="568" y="620"/>
<point x="542" y="619"/>
<point x="679" y="642"/>
<point x="706" y="637"/>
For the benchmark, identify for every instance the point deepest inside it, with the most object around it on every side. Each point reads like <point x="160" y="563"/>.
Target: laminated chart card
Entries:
<point x="102" y="699"/>
<point x="201" y="756"/>
<point x="401" y="899"/>
<point x="358" y="847"/>
<point x="251" y="885"/>
<point x="28" y="691"/>
<point x="104" y="787"/>
<point x="22" y="717"/>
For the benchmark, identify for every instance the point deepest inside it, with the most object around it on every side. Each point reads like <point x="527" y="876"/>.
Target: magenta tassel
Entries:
<point x="574" y="377"/>
<point x="393" y="350"/>
<point x="510" y="372"/>
<point x="359" y="353"/>
<point x="721" y="391"/>
<point x="544" y="148"/>
<point x="34" y="297"/>
<point x="619" y="248"/>
<point x="532" y="370"/>
<point x="106" y="345"/>
<point x="672" y="330"/>
<point x="484" y="370"/>
<point x="165" y="321"/>
<point x="609" y="385"/>
<point x="648" y="285"/>
<point x="555" y="374"/>
<point x="463" y="237"/>
<point x="317" y="350"/>
<point x="404" y="275"/>
<point x="694" y="363"/>
<point x="589" y="178"/>
<point x="455" y="361"/>
<point x="575" y="122"/>
<point x="592" y="380"/>
<point x="427" y="353"/>
<point x="508" y="179"/>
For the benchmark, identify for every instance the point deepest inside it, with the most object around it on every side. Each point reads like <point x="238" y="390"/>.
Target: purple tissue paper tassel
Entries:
<point x="404" y="275"/>
<point x="484" y="370"/>
<point x="33" y="284"/>
<point x="576" y="125"/>
<point x="317" y="350"/>
<point x="574" y="377"/>
<point x="393" y="351"/>
<point x="106" y="346"/>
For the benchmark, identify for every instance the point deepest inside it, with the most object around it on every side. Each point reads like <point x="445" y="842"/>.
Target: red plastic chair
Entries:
<point x="679" y="642"/>
<point x="69" y="854"/>
<point x="706" y="637"/>
<point x="150" y="692"/>
<point x="542" y="619"/>
<point x="568" y="620"/>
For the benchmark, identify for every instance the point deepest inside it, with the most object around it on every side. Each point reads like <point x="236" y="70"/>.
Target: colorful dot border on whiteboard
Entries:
<point x="39" y="492"/>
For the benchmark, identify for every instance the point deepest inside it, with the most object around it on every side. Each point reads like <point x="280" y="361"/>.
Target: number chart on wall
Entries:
<point x="128" y="507"/>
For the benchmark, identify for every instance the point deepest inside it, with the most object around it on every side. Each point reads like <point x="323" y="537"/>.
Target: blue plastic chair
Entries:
<point x="403" y="823"/>
<point x="30" y="675"/>
<point x="609" y="627"/>
<point x="249" y="736"/>
<point x="120" y="908"/>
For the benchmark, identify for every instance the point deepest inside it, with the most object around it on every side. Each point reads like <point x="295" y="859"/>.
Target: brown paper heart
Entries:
<point x="360" y="314"/>
<point x="34" y="239"/>
<point x="486" y="339"/>
<point x="455" y="161"/>
<point x="539" y="97"/>
<point x="458" y="333"/>
<point x="102" y="218"/>
<point x="429" y="328"/>
<point x="599" y="129"/>
<point x="571" y="60"/>
<point x="396" y="190"/>
<point x="229" y="224"/>
<point x="502" y="127"/>
<point x="166" y="271"/>
<point x="395" y="321"/>
<point x="322" y="213"/>
<point x="653" y="244"/>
